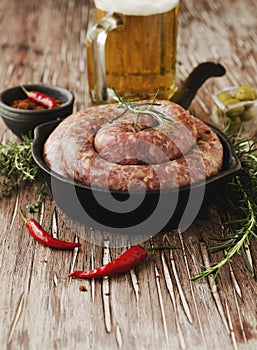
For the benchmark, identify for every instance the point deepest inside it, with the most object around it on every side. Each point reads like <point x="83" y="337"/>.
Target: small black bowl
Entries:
<point x="146" y="212"/>
<point x="21" y="121"/>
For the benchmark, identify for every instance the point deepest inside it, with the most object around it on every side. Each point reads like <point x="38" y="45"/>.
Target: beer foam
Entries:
<point x="136" y="7"/>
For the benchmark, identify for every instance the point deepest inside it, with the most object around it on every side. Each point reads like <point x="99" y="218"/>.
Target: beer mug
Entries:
<point x="132" y="48"/>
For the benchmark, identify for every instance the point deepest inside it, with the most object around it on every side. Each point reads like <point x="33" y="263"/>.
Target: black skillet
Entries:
<point x="137" y="212"/>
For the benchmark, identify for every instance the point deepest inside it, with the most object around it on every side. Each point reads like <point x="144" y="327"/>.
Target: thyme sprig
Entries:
<point x="16" y="165"/>
<point x="142" y="108"/>
<point x="41" y="194"/>
<point x="242" y="215"/>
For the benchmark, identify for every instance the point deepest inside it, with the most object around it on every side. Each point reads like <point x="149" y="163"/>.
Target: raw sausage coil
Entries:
<point x="124" y="154"/>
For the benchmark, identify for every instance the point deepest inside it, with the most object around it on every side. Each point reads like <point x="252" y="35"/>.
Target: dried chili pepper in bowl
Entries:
<point x="37" y="232"/>
<point x="40" y="98"/>
<point x="22" y="117"/>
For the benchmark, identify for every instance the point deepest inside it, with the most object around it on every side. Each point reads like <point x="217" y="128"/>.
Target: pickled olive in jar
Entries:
<point x="247" y="115"/>
<point x="234" y="126"/>
<point x="234" y="112"/>
<point x="231" y="101"/>
<point x="246" y="93"/>
<point x="224" y="96"/>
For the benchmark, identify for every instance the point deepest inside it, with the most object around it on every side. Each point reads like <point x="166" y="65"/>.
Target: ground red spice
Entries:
<point x="30" y="105"/>
<point x="83" y="288"/>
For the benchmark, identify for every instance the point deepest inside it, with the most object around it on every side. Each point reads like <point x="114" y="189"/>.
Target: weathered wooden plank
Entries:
<point x="156" y="305"/>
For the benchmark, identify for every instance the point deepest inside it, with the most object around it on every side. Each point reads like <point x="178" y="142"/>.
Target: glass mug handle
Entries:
<point x="96" y="40"/>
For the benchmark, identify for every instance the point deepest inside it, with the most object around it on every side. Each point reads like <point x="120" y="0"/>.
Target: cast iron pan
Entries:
<point x="146" y="212"/>
<point x="135" y="212"/>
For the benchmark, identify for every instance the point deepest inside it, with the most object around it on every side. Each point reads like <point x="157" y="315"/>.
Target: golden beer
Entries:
<point x="139" y="55"/>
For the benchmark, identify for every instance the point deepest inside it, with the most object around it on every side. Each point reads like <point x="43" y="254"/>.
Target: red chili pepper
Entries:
<point x="125" y="262"/>
<point x="40" y="98"/>
<point x="44" y="238"/>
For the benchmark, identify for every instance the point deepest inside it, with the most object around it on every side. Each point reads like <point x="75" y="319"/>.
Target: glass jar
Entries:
<point x="233" y="116"/>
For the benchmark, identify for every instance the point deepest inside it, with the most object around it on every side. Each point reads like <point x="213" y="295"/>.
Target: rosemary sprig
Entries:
<point x="243" y="205"/>
<point x="16" y="165"/>
<point x="142" y="108"/>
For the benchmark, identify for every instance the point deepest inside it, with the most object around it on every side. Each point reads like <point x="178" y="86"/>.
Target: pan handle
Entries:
<point x="189" y="87"/>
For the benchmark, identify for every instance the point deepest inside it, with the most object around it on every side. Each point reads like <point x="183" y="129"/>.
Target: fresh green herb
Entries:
<point x="34" y="207"/>
<point x="16" y="165"/>
<point x="242" y="214"/>
<point x="142" y="108"/>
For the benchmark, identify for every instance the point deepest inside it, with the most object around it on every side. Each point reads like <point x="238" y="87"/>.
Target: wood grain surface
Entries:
<point x="155" y="306"/>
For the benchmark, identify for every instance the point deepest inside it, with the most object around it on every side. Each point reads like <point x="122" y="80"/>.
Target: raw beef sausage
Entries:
<point x="99" y="149"/>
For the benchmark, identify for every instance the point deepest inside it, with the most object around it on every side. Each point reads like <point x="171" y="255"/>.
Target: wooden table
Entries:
<point x="156" y="306"/>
